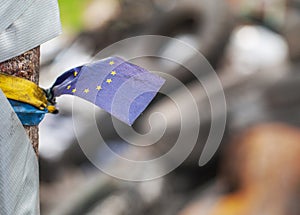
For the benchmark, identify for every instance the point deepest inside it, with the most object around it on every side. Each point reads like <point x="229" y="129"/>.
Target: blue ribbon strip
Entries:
<point x="28" y="114"/>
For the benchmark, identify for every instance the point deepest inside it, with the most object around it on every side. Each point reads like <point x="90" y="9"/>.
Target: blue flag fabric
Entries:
<point x="28" y="114"/>
<point x="119" y="87"/>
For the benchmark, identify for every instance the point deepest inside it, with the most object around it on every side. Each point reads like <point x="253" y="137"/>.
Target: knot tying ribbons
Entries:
<point x="28" y="99"/>
<point x="22" y="90"/>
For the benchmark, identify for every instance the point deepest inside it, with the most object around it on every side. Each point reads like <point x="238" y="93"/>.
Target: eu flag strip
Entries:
<point x="121" y="88"/>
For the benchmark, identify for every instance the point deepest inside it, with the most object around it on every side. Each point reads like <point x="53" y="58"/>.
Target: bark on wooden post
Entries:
<point x="26" y="66"/>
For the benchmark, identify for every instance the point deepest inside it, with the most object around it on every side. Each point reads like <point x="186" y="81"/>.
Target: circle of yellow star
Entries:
<point x="74" y="91"/>
<point x="108" y="81"/>
<point x="113" y="73"/>
<point x="111" y="63"/>
<point x="98" y="88"/>
<point x="86" y="90"/>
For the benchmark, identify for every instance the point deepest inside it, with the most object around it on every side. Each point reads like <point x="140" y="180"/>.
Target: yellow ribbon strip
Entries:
<point x="22" y="90"/>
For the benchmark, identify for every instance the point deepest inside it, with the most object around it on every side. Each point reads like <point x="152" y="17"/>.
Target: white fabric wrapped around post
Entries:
<point x="35" y="22"/>
<point x="11" y="10"/>
<point x="19" y="177"/>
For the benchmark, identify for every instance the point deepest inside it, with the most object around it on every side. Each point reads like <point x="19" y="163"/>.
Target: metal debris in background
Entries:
<point x="21" y="29"/>
<point x="259" y="175"/>
<point x="257" y="78"/>
<point x="19" y="181"/>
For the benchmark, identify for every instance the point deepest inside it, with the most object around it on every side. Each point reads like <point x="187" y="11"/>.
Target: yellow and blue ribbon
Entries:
<point x="28" y="100"/>
<point x="25" y="91"/>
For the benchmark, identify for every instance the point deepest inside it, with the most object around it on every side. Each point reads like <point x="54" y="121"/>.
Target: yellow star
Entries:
<point x="86" y="90"/>
<point x="75" y="74"/>
<point x="113" y="73"/>
<point x="69" y="87"/>
<point x="111" y="63"/>
<point x="98" y="88"/>
<point x="74" y="90"/>
<point x="108" y="81"/>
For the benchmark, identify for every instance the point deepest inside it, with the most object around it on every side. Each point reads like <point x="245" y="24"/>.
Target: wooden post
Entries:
<point x="26" y="66"/>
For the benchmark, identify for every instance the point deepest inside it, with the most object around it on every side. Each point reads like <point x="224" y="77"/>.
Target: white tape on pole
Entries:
<point x="19" y="180"/>
<point x="39" y="23"/>
<point x="11" y="10"/>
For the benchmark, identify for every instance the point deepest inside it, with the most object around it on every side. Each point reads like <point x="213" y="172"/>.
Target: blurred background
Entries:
<point x="254" y="48"/>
